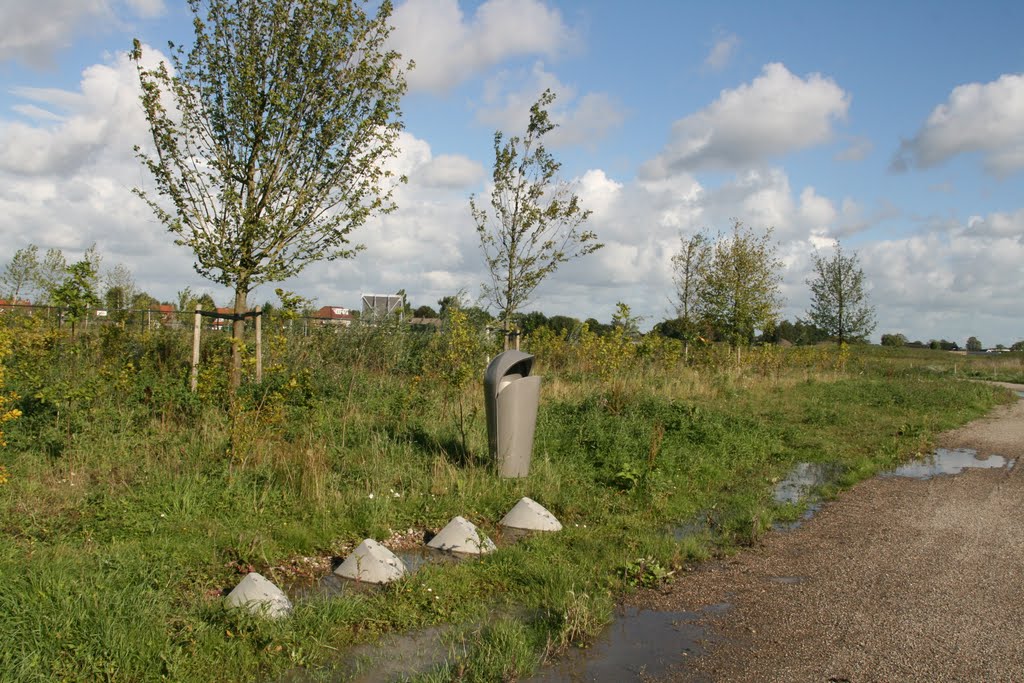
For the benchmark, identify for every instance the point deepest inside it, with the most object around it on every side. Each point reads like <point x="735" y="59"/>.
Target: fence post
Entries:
<point x="195" y="349"/>
<point x="259" y="343"/>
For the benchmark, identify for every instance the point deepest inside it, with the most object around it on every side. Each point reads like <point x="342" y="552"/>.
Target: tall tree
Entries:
<point x="739" y="291"/>
<point x="689" y="266"/>
<point x="271" y="135"/>
<point x="839" y="302"/>
<point x="535" y="222"/>
<point x="973" y="344"/>
<point x="21" y="273"/>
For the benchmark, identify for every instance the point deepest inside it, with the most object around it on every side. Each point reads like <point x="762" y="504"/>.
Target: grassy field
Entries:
<point x="129" y="505"/>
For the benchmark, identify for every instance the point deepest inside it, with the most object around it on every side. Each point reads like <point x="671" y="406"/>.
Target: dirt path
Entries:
<point x="898" y="580"/>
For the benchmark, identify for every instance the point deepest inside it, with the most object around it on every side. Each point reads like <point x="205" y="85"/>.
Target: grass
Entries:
<point x="132" y="505"/>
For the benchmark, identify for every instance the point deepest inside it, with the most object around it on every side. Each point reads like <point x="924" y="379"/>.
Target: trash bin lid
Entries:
<point x="506" y="363"/>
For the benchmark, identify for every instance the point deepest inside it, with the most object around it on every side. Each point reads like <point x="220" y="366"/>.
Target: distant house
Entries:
<point x="425" y="323"/>
<point x="167" y="314"/>
<point x="8" y="304"/>
<point x="334" y="315"/>
<point x="220" y="323"/>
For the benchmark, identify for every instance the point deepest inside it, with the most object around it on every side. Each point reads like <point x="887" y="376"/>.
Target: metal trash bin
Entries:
<point x="511" y="397"/>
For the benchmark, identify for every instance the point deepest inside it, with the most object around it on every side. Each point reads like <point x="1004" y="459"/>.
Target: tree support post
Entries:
<point x="195" y="349"/>
<point x="259" y="343"/>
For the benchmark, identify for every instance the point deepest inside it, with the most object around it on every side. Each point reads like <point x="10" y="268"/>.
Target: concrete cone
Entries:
<point x="373" y="563"/>
<point x="259" y="596"/>
<point x="531" y="515"/>
<point x="461" y="536"/>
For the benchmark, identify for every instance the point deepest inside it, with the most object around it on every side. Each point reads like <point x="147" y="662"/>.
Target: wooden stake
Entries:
<point x="259" y="343"/>
<point x="195" y="349"/>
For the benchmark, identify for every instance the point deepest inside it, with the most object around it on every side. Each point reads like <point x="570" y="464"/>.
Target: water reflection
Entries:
<point x="948" y="461"/>
<point x="638" y="643"/>
<point x="803" y="479"/>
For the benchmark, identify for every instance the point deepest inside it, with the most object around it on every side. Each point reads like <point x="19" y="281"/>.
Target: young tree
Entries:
<point x="624" y="320"/>
<point x="271" y="135"/>
<point x="21" y="273"/>
<point x="120" y="286"/>
<point x="689" y="266"/>
<point x="76" y="295"/>
<point x="535" y="221"/>
<point x="739" y="292"/>
<point x="839" y="304"/>
<point x="50" y="274"/>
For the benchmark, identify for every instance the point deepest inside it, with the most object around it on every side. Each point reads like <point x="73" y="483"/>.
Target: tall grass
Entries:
<point x="133" y="504"/>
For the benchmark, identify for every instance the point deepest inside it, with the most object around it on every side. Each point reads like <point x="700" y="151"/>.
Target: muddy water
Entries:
<point x="636" y="644"/>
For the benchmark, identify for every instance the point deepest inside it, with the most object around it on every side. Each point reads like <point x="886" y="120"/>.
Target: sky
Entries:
<point x="896" y="128"/>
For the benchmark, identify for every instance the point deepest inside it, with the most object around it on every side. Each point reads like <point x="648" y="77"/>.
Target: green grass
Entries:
<point x="132" y="505"/>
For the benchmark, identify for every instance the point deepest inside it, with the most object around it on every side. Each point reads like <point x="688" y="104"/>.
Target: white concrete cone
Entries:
<point x="529" y="514"/>
<point x="461" y="536"/>
<point x="373" y="563"/>
<point x="260" y="596"/>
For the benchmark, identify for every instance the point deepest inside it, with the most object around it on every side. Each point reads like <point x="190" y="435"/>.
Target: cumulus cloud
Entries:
<point x="930" y="285"/>
<point x="449" y="47"/>
<point x="777" y="113"/>
<point x="450" y="171"/>
<point x="73" y="127"/>
<point x="33" y="31"/>
<point x="721" y="52"/>
<point x="580" y="120"/>
<point x="984" y="118"/>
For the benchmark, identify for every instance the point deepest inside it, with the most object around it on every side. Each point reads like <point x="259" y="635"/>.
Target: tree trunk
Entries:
<point x="238" y="337"/>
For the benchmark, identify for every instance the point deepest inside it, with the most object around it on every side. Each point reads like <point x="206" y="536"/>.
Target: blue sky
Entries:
<point x="897" y="127"/>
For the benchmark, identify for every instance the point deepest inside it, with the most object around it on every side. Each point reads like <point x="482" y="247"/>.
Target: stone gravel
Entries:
<point x="897" y="580"/>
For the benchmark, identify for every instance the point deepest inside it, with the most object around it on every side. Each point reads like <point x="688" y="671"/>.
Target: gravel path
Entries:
<point x="898" y="580"/>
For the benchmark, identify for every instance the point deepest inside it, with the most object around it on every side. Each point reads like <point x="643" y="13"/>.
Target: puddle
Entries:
<point x="638" y="643"/>
<point x="803" y="479"/>
<point x="696" y="526"/>
<point x="1020" y="394"/>
<point x="392" y="658"/>
<point x="811" y="510"/>
<point x="949" y="461"/>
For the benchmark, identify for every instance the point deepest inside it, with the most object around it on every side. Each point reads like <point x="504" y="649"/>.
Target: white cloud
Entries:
<point x="951" y="285"/>
<point x="449" y="48"/>
<point x="987" y="118"/>
<point x="103" y="114"/>
<point x="721" y="52"/>
<point x="775" y="114"/>
<point x="585" y="120"/>
<point x="147" y="8"/>
<point x="33" y="31"/>
<point x="450" y="171"/>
